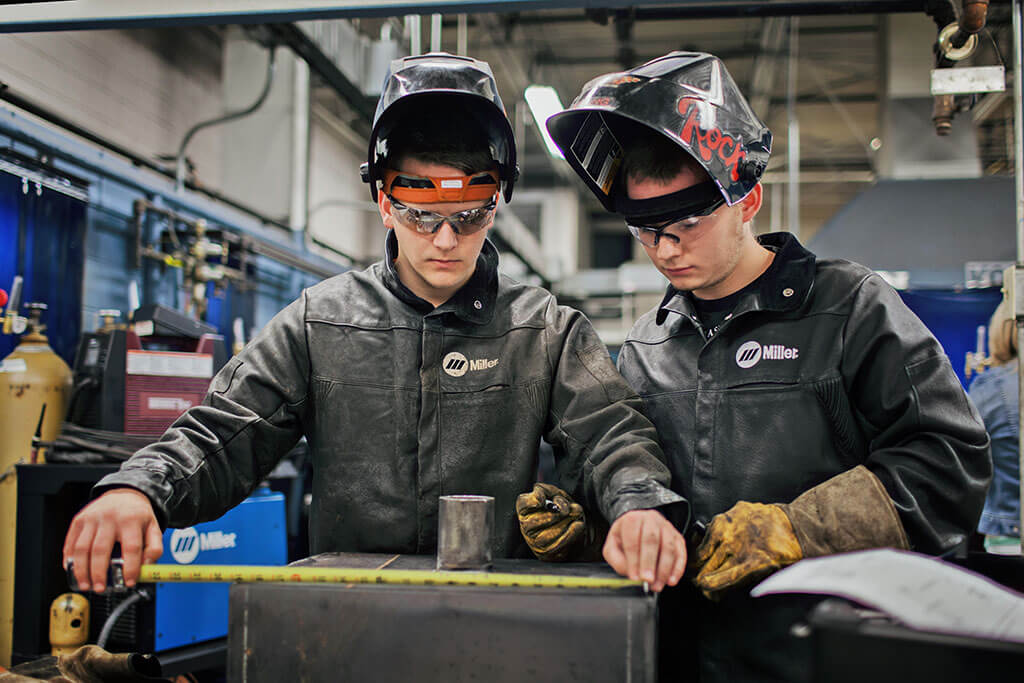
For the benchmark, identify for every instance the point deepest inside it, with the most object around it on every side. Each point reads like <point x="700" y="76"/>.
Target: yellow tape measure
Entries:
<point x="159" y="573"/>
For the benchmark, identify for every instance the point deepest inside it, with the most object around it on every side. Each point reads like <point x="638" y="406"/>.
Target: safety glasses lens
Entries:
<point x="427" y="222"/>
<point x="646" y="236"/>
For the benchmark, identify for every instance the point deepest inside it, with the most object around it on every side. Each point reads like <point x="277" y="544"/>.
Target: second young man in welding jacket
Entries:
<point x="427" y="374"/>
<point x="803" y="408"/>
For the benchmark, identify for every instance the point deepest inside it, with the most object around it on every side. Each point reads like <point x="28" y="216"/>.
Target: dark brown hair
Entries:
<point x="650" y="155"/>
<point x="440" y="135"/>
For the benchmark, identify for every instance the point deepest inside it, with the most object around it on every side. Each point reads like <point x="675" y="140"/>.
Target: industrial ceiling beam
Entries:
<point x="103" y="14"/>
<point x="766" y="63"/>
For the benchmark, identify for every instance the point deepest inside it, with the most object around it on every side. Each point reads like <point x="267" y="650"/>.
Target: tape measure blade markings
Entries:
<point x="158" y="573"/>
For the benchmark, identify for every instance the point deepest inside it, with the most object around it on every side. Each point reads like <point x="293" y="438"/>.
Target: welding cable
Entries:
<point x="108" y="625"/>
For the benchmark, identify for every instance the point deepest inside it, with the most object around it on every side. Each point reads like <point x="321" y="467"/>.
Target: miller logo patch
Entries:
<point x="456" y="365"/>
<point x="748" y="354"/>
<point x="752" y="352"/>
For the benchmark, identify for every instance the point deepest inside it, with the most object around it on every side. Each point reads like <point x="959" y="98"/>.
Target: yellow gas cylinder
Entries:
<point x="31" y="377"/>
<point x="69" y="623"/>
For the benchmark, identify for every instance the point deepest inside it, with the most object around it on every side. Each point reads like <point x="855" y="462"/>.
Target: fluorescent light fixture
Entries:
<point x="543" y="101"/>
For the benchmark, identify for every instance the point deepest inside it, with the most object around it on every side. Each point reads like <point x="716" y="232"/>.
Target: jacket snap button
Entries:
<point x="477" y="305"/>
<point x="788" y="292"/>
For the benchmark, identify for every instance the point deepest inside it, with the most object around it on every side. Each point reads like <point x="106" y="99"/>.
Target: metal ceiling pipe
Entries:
<point x="462" y="35"/>
<point x="179" y="173"/>
<point x="951" y="46"/>
<point x="793" y="137"/>
<point x="1018" y="160"/>
<point x="414" y="33"/>
<point x="435" y="32"/>
<point x="971" y="21"/>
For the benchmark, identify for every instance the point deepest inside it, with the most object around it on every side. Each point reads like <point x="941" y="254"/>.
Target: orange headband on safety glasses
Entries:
<point x="429" y="190"/>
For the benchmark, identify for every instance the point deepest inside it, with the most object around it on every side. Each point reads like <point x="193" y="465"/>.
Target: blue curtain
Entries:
<point x="953" y="317"/>
<point x="42" y="239"/>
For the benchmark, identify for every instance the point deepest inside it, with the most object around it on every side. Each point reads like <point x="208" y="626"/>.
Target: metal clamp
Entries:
<point x="955" y="54"/>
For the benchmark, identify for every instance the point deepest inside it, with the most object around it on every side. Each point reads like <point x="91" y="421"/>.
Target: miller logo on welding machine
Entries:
<point x="185" y="544"/>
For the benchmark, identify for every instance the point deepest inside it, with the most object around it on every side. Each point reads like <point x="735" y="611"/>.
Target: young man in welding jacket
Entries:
<point x="804" y="409"/>
<point x="427" y="374"/>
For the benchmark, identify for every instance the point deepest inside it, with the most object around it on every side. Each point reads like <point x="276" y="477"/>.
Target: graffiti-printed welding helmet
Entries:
<point x="439" y="79"/>
<point x="690" y="98"/>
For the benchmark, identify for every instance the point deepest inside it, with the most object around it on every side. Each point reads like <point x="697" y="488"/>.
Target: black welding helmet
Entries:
<point x="440" y="79"/>
<point x="690" y="98"/>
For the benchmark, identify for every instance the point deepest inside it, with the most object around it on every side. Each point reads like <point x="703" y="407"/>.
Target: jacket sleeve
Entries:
<point x="216" y="453"/>
<point x="609" y="448"/>
<point x="926" y="443"/>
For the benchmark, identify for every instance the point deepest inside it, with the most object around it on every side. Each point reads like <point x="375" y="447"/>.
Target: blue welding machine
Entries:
<point x="252" y="533"/>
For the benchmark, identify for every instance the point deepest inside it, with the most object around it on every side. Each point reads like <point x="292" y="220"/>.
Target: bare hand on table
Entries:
<point x="645" y="546"/>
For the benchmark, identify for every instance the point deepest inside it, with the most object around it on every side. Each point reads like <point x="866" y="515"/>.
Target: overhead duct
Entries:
<point x="930" y="214"/>
<point x="910" y="147"/>
<point x="930" y="229"/>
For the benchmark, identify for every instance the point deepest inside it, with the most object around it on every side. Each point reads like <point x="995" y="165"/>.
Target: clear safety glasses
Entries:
<point x="682" y="229"/>
<point x="427" y="222"/>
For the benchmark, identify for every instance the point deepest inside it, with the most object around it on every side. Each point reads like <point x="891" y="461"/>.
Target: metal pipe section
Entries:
<point x="412" y="29"/>
<point x="793" y="138"/>
<point x="971" y="21"/>
<point x="1018" y="132"/>
<point x="180" y="163"/>
<point x="435" y="32"/>
<point x="299" y="208"/>
<point x="943" y="108"/>
<point x="462" y="36"/>
<point x="465" y="532"/>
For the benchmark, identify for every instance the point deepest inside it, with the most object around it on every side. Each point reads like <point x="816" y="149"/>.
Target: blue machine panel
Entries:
<point x="252" y="533"/>
<point x="953" y="317"/>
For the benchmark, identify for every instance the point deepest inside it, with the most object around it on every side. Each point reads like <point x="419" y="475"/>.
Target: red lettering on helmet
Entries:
<point x="707" y="143"/>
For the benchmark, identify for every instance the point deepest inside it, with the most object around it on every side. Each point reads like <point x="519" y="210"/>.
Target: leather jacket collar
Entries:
<point x="787" y="282"/>
<point x="474" y="303"/>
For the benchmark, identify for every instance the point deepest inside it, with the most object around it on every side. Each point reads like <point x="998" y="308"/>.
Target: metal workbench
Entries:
<point x="363" y="632"/>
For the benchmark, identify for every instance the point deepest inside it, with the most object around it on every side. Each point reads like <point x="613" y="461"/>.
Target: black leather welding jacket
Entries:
<point x="821" y="369"/>
<point x="401" y="403"/>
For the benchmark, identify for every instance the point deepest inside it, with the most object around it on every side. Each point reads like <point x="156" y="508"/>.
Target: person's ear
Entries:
<point x="384" y="204"/>
<point x="751" y="204"/>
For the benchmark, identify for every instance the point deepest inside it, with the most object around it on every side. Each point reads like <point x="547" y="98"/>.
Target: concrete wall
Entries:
<point x="142" y="89"/>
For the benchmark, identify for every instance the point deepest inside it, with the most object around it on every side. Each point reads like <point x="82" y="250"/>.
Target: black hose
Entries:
<point x="108" y="625"/>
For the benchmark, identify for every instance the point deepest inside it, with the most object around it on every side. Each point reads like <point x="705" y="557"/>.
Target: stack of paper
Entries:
<point x="916" y="590"/>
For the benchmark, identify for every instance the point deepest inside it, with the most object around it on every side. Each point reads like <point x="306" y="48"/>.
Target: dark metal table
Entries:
<point x="363" y="632"/>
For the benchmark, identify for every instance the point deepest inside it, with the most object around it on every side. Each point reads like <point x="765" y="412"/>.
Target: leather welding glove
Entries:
<point x="87" y="664"/>
<point x="93" y="664"/>
<point x="850" y="511"/>
<point x="742" y="544"/>
<point x="552" y="524"/>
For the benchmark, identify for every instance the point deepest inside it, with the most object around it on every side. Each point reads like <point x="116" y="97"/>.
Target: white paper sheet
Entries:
<point x="917" y="590"/>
